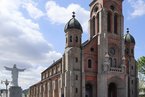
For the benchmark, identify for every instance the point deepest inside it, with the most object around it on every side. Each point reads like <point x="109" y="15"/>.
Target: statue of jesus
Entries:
<point x="14" y="72"/>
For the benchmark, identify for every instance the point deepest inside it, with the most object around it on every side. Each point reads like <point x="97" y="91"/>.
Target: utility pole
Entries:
<point x="6" y="82"/>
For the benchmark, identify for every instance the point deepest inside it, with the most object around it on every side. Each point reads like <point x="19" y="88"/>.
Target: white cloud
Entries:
<point x="61" y="15"/>
<point x="33" y="11"/>
<point x="138" y="7"/>
<point x="22" y="43"/>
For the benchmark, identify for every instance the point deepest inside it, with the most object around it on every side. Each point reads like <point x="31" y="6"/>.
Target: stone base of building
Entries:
<point x="15" y="91"/>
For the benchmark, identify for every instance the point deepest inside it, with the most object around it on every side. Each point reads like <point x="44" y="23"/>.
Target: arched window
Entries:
<point x="92" y="49"/>
<point x="115" y="62"/>
<point x="131" y="81"/>
<point x="115" y="24"/>
<point x="93" y="25"/>
<point x="132" y="67"/>
<point x="98" y="22"/>
<point x="112" y="7"/>
<point x="132" y="51"/>
<point x="109" y="22"/>
<point x="96" y="9"/>
<point x="76" y="77"/>
<point x="127" y="50"/>
<point x="76" y="38"/>
<point x="76" y="59"/>
<point x="89" y="63"/>
<point x="76" y="90"/>
<point x="110" y="59"/>
<point x="70" y="38"/>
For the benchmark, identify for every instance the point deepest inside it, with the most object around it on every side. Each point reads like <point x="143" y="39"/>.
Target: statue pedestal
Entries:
<point x="15" y="91"/>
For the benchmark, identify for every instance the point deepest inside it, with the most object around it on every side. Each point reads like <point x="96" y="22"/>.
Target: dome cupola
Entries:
<point x="73" y="23"/>
<point x="128" y="38"/>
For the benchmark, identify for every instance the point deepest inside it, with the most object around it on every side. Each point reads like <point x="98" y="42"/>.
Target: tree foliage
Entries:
<point x="141" y="65"/>
<point x="141" y="75"/>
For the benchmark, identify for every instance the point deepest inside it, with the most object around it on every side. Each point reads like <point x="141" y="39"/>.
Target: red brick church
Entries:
<point x="102" y="66"/>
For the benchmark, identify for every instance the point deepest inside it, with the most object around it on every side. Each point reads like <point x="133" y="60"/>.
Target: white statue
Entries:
<point x="14" y="72"/>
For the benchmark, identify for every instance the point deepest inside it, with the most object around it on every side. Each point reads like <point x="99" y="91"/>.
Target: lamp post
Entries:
<point x="0" y="94"/>
<point x="6" y="82"/>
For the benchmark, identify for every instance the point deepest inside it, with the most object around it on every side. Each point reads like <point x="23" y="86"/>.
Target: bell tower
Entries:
<point x="72" y="67"/>
<point x="106" y="23"/>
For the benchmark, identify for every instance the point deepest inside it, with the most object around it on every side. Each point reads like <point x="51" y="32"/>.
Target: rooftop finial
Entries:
<point x="127" y="30"/>
<point x="73" y="14"/>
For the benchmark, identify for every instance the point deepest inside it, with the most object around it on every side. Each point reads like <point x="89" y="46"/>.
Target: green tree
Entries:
<point x="141" y="65"/>
<point x="141" y="75"/>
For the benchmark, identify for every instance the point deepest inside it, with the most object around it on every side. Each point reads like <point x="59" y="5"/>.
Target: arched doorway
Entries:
<point x="112" y="90"/>
<point x="89" y="90"/>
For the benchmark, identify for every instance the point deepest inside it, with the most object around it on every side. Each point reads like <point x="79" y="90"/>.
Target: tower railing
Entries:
<point x="115" y="69"/>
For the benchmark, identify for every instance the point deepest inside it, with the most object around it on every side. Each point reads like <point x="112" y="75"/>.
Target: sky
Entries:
<point x="32" y="33"/>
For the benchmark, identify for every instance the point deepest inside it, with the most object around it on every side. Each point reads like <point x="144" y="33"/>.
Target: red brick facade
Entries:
<point x="99" y="67"/>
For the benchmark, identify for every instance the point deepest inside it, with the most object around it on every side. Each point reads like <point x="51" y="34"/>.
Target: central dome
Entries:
<point x="73" y="23"/>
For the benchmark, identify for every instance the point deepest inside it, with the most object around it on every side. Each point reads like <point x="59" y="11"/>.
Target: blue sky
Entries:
<point x="32" y="32"/>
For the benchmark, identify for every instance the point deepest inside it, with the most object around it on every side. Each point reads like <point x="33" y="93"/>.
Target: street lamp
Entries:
<point x="0" y="94"/>
<point x="6" y="82"/>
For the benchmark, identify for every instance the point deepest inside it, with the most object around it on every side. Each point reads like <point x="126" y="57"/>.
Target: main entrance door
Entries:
<point x="112" y="90"/>
<point x="89" y="90"/>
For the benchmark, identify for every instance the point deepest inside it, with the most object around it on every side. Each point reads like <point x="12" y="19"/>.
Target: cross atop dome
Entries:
<point x="73" y="14"/>
<point x="127" y="30"/>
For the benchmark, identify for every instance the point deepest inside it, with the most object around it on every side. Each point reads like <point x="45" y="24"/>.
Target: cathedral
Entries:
<point x="102" y="66"/>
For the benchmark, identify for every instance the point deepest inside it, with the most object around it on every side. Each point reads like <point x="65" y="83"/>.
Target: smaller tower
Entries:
<point x="129" y="48"/>
<point x="72" y="60"/>
<point x="73" y="30"/>
<point x="131" y="64"/>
